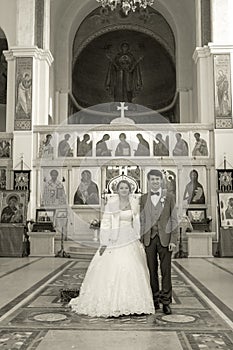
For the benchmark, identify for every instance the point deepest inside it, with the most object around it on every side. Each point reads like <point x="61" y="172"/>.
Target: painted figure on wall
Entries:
<point x="87" y="191"/>
<point x="102" y="148"/>
<point x="143" y="148"/>
<point x="229" y="210"/>
<point x="24" y="98"/>
<point x="181" y="147"/>
<point x="194" y="191"/>
<point x="170" y="182"/>
<point x="5" y="149"/>
<point x="84" y="147"/>
<point x="123" y="80"/>
<point x="46" y="149"/>
<point x="223" y="94"/>
<point x="200" y="148"/>
<point x="123" y="147"/>
<point x="13" y="212"/>
<point x="161" y="146"/>
<point x="54" y="193"/>
<point x="2" y="179"/>
<point x="64" y="149"/>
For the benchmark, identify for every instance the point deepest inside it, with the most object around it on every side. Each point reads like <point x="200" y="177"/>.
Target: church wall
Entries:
<point x="222" y="29"/>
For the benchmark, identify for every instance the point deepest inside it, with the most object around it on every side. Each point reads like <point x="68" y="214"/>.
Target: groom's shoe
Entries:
<point x="167" y="310"/>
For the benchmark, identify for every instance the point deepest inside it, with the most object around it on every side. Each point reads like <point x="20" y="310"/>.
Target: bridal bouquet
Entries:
<point x="95" y="224"/>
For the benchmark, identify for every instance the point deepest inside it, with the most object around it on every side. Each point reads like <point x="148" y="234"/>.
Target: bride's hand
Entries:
<point x="102" y="249"/>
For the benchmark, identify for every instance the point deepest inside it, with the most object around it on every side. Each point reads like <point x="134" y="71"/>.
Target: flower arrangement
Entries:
<point x="95" y="224"/>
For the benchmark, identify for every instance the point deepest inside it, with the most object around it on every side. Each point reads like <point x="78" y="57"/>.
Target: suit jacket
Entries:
<point x="165" y="216"/>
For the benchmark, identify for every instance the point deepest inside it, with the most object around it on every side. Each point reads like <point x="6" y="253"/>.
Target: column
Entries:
<point x="204" y="73"/>
<point x="28" y="82"/>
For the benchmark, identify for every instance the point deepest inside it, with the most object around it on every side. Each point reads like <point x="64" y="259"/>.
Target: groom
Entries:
<point x="159" y="235"/>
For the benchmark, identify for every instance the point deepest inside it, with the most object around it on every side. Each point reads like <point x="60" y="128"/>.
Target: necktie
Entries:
<point x="153" y="193"/>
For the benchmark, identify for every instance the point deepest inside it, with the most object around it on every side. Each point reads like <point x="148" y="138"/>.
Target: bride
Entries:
<point x="117" y="281"/>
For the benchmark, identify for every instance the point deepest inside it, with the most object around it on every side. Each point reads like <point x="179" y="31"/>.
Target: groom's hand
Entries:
<point x="171" y="247"/>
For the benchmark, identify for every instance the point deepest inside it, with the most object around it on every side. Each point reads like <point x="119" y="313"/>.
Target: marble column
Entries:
<point x="28" y="81"/>
<point x="204" y="73"/>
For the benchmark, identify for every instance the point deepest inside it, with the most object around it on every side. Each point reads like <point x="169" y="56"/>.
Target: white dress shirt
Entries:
<point x="155" y="199"/>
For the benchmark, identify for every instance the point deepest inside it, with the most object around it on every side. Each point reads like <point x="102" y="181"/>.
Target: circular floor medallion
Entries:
<point x="50" y="317"/>
<point x="178" y="318"/>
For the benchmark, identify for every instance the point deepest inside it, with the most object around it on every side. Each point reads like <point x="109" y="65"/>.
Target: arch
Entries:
<point x="180" y="17"/>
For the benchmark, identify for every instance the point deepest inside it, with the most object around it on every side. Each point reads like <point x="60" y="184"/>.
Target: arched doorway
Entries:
<point x="151" y="44"/>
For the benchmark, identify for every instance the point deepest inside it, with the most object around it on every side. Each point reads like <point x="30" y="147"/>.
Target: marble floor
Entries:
<point x="32" y="315"/>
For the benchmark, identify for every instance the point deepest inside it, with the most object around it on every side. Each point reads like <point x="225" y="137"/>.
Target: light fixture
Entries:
<point x="126" y="5"/>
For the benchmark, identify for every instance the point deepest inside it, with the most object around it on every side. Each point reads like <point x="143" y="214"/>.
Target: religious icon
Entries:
<point x="194" y="191"/>
<point x="14" y="207"/>
<point x="196" y="215"/>
<point x="102" y="149"/>
<point x="222" y="79"/>
<point x="161" y="146"/>
<point x="181" y="148"/>
<point x="46" y="148"/>
<point x="200" y="148"/>
<point x="225" y="177"/>
<point x="84" y="146"/>
<point x="24" y="95"/>
<point x="53" y="190"/>
<point x="2" y="179"/>
<point x="143" y="148"/>
<point x="123" y="147"/>
<point x="64" y="149"/>
<point x="123" y="79"/>
<point x="5" y="148"/>
<point x="22" y="180"/>
<point x="45" y="215"/>
<point x="134" y="172"/>
<point x="87" y="191"/>
<point x="169" y="177"/>
<point x="226" y="209"/>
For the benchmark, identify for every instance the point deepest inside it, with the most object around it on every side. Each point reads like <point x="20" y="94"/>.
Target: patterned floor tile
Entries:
<point x="197" y="326"/>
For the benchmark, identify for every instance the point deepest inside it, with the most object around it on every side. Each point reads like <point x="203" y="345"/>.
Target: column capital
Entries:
<point x="218" y="49"/>
<point x="32" y="51"/>
<point x="201" y="52"/>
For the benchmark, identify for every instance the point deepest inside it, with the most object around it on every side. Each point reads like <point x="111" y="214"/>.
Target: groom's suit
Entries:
<point x="158" y="229"/>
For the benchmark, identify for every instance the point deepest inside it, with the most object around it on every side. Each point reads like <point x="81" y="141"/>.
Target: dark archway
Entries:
<point x="150" y="39"/>
<point x="3" y="81"/>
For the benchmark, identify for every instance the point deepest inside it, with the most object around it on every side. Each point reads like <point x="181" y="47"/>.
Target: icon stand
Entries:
<point x="62" y="253"/>
<point x="180" y="254"/>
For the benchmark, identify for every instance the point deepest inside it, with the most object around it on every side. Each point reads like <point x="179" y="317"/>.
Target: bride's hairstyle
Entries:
<point x="123" y="182"/>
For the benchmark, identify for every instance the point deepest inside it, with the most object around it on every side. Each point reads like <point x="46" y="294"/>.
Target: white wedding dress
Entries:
<point x="117" y="282"/>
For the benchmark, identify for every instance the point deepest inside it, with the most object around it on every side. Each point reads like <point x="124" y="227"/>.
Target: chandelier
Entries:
<point x="126" y="5"/>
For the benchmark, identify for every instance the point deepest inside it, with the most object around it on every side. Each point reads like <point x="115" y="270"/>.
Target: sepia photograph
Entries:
<point x="116" y="119"/>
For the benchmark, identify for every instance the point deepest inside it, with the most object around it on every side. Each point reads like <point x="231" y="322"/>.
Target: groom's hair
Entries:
<point x="154" y="172"/>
